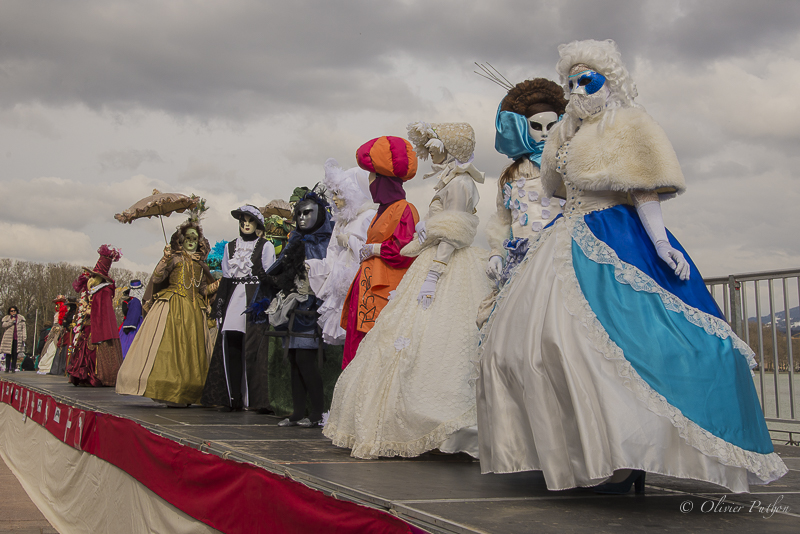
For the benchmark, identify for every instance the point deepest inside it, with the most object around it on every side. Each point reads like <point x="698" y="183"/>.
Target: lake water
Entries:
<point x="779" y="431"/>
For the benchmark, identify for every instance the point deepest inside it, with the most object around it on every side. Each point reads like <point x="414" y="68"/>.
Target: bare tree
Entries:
<point x="33" y="286"/>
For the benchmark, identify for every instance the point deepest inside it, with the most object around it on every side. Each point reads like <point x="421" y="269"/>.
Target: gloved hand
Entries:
<point x="422" y="232"/>
<point x="674" y="258"/>
<point x="369" y="250"/>
<point x="343" y="239"/>
<point x="427" y="290"/>
<point x="653" y="222"/>
<point x="494" y="269"/>
<point x="129" y="328"/>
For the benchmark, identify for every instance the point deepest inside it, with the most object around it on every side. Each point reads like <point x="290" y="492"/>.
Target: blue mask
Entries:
<point x="587" y="82"/>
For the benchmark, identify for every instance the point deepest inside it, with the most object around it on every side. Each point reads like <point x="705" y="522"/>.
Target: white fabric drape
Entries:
<point x="80" y="493"/>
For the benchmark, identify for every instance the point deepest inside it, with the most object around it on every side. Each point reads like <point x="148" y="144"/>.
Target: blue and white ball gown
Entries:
<point x="597" y="357"/>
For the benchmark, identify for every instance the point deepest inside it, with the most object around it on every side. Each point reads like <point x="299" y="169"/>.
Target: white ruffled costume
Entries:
<point x="407" y="390"/>
<point x="597" y="357"/>
<point x="330" y="277"/>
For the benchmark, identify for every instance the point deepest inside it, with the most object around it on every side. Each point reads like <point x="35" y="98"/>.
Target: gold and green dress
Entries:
<point x="168" y="359"/>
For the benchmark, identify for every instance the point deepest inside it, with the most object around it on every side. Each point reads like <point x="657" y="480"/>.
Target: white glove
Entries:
<point x="494" y="269"/>
<point x="674" y="258"/>
<point x="427" y="290"/>
<point x="343" y="239"/>
<point x="369" y="250"/>
<point x="422" y="233"/>
<point x="653" y="221"/>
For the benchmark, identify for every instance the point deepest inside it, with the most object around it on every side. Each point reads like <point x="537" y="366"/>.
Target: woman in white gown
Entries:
<point x="407" y="390"/>
<point x="605" y="355"/>
<point x="330" y="277"/>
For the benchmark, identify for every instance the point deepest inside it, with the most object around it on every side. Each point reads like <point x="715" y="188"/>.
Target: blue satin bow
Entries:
<point x="512" y="138"/>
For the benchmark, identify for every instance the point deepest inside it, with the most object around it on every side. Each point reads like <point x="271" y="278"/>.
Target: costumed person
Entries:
<point x="44" y="333"/>
<point x="330" y="278"/>
<point x="390" y="161"/>
<point x="606" y="357"/>
<point x="524" y="118"/>
<point x="14" y="336"/>
<point x="168" y="359"/>
<point x="408" y="391"/>
<point x="102" y="356"/>
<point x="237" y="377"/>
<point x="132" y="315"/>
<point x="81" y="364"/>
<point x="50" y="346"/>
<point x="286" y="289"/>
<point x="65" y="342"/>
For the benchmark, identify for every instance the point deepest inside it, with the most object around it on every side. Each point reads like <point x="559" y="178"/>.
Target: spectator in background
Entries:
<point x="13" y="337"/>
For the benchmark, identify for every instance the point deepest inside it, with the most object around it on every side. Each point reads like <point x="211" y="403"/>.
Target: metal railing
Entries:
<point x="765" y="295"/>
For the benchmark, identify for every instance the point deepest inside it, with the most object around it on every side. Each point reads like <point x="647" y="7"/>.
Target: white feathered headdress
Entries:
<point x="352" y="185"/>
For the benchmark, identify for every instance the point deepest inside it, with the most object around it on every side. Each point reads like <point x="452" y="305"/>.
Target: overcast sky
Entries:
<point x="241" y="101"/>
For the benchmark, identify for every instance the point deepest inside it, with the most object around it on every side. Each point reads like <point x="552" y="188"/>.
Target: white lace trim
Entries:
<point x="767" y="467"/>
<point x="410" y="449"/>
<point x="599" y="252"/>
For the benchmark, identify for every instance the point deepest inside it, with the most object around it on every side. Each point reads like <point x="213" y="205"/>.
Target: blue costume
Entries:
<point x="597" y="356"/>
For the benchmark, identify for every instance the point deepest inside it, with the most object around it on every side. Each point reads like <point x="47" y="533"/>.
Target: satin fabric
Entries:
<point x="620" y="228"/>
<point x="362" y="305"/>
<point x="512" y="138"/>
<point x="701" y="375"/>
<point x="386" y="190"/>
<point x="581" y="373"/>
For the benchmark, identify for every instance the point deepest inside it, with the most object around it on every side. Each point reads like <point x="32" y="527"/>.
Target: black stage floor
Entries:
<point x="442" y="493"/>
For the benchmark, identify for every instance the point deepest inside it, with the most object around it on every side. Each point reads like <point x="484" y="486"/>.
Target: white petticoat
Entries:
<point x="407" y="389"/>
<point x="551" y="398"/>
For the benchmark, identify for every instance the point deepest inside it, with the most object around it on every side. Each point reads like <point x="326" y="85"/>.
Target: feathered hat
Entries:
<point x="458" y="138"/>
<point x="108" y="255"/>
<point x="388" y="156"/>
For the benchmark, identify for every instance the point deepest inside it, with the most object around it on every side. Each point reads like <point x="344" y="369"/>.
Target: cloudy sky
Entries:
<point x="241" y="101"/>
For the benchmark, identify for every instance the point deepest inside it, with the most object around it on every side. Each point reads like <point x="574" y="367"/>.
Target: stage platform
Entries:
<point x="442" y="493"/>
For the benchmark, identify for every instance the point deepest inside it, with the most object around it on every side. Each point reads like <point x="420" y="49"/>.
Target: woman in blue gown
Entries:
<point x="605" y="356"/>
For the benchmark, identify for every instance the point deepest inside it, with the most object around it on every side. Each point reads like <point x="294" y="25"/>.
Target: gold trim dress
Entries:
<point x="168" y="359"/>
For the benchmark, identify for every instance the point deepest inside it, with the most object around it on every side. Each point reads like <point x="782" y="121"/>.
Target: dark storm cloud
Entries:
<point x="242" y="60"/>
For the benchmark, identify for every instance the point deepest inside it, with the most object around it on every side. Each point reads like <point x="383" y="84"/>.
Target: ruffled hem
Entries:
<point x="599" y="252"/>
<point x="767" y="467"/>
<point x="389" y="401"/>
<point x="410" y="449"/>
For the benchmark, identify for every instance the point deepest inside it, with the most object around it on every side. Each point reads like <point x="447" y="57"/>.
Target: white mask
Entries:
<point x="540" y="124"/>
<point x="247" y="224"/>
<point x="584" y="106"/>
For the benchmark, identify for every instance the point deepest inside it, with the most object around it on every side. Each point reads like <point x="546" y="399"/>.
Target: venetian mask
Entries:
<point x="93" y="282"/>
<point x="588" y="92"/>
<point x="306" y="214"/>
<point x="438" y="155"/>
<point x="540" y="124"/>
<point x="190" y="240"/>
<point x="339" y="201"/>
<point x="248" y="224"/>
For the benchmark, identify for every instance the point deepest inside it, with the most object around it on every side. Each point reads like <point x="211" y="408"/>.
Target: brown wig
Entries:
<point x="535" y="96"/>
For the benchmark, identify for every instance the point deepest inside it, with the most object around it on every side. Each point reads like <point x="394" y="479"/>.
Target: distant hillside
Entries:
<point x="780" y="320"/>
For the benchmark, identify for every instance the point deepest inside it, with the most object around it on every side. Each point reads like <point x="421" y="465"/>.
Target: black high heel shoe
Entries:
<point x="635" y="479"/>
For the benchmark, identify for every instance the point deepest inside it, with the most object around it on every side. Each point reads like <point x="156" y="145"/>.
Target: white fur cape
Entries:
<point x="630" y="153"/>
<point x="455" y="227"/>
